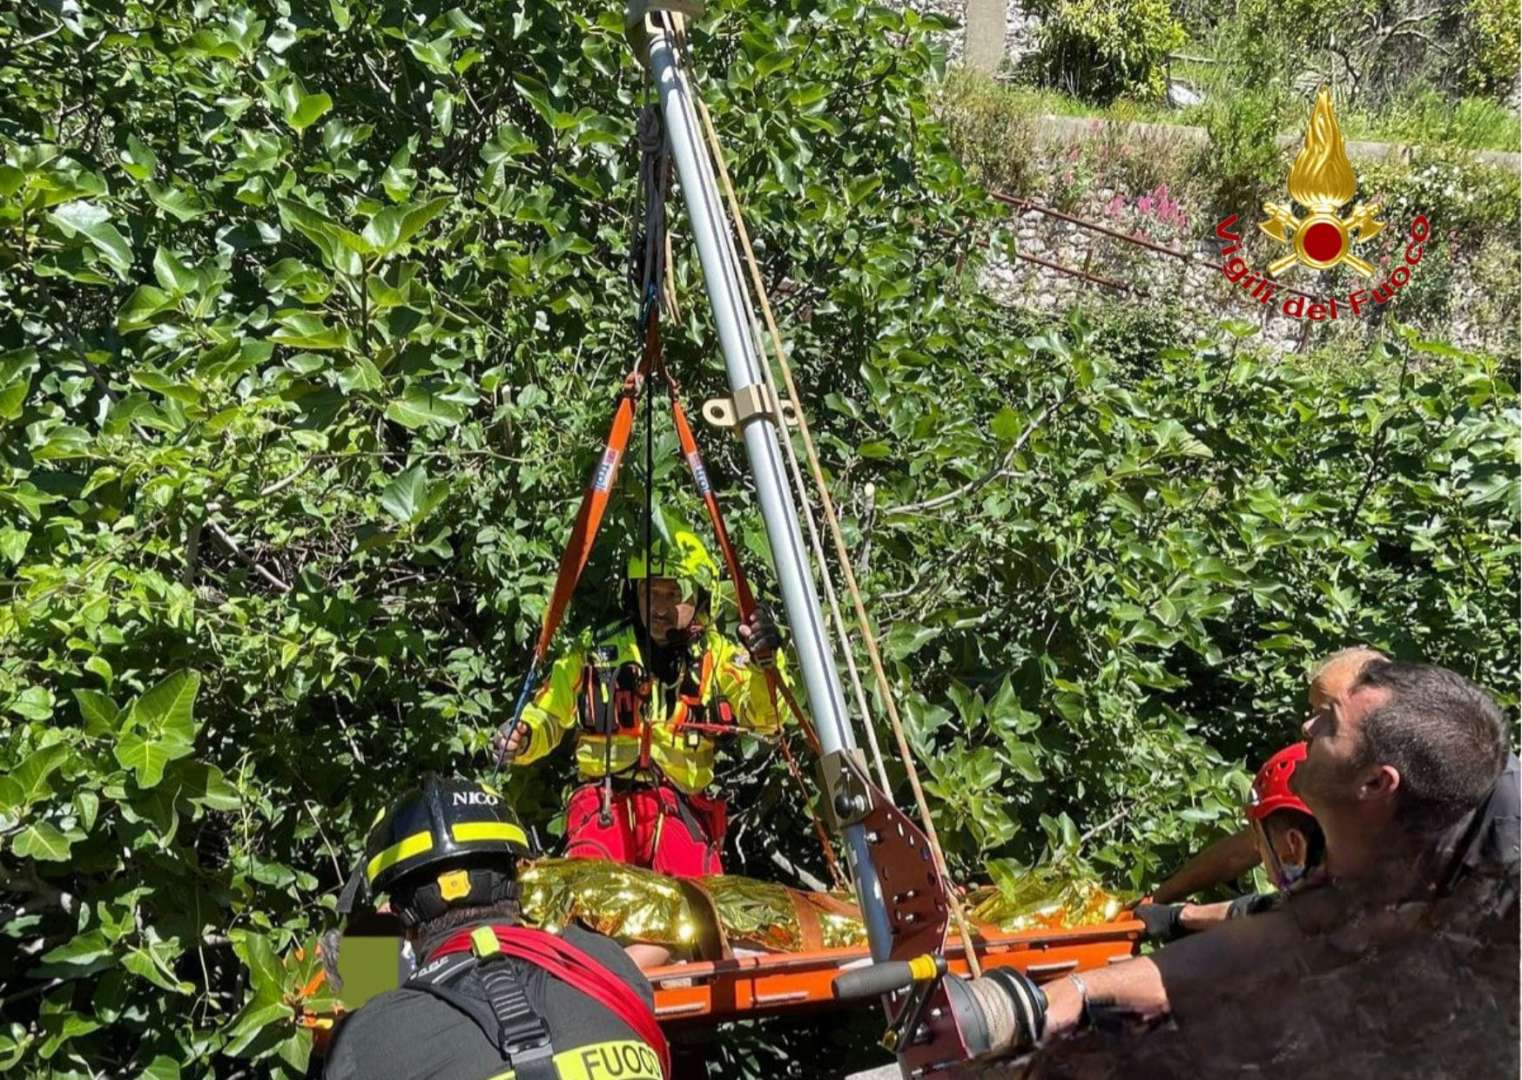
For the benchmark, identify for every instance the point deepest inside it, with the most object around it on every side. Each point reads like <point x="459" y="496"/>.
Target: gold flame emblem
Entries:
<point x="1322" y="181"/>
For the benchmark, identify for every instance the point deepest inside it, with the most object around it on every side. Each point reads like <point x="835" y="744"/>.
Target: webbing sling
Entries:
<point x="505" y="1016"/>
<point x="745" y="600"/>
<point x="574" y="967"/>
<point x="594" y="503"/>
<point x="589" y="517"/>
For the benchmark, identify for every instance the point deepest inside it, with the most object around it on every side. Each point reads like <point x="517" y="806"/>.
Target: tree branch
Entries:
<point x="232" y="546"/>
<point x="285" y="482"/>
<point x="1000" y="469"/>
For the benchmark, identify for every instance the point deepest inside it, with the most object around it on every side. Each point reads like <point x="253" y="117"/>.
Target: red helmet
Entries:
<point x="1270" y="788"/>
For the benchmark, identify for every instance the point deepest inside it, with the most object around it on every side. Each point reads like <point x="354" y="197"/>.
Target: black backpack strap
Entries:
<point x="503" y="1013"/>
<point x="522" y="1036"/>
<point x="595" y="704"/>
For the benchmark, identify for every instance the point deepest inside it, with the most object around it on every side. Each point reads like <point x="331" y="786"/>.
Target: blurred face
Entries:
<point x="1334" y="683"/>
<point x="1333" y="774"/>
<point x="666" y="612"/>
<point x="1284" y="851"/>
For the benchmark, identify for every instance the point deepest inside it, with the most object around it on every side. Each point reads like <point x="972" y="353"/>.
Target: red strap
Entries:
<point x="573" y="966"/>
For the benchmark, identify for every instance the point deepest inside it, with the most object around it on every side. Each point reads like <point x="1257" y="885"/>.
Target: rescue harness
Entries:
<point x="505" y="1016"/>
<point x="616" y="699"/>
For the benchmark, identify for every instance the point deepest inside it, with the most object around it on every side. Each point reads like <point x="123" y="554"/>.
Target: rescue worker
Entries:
<point x="490" y="998"/>
<point x="1410" y="777"/>
<point x="1230" y="857"/>
<point x="646" y="726"/>
<point x="1289" y="842"/>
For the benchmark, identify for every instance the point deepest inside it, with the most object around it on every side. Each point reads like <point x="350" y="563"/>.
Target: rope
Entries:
<point x="651" y="137"/>
<point x="815" y="544"/>
<point x="655" y="181"/>
<point x="824" y="838"/>
<point x="863" y="622"/>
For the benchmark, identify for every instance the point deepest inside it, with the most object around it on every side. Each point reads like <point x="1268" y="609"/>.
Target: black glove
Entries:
<point x="1164" y="922"/>
<point x="762" y="636"/>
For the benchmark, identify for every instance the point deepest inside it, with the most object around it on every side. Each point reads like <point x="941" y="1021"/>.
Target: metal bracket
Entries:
<point x="903" y="1031"/>
<point x="923" y="1030"/>
<point x="848" y="798"/>
<point x="638" y="25"/>
<point x="750" y="403"/>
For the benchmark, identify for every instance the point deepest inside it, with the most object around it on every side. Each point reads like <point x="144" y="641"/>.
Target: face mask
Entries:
<point x="1289" y="874"/>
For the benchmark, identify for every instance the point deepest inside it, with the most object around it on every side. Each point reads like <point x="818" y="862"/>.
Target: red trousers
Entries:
<point x="656" y="827"/>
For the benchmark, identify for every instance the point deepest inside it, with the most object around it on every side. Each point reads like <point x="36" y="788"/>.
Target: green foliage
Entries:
<point x="993" y="129"/>
<point x="1496" y="28"/>
<point x="1426" y="117"/>
<point x="310" y="313"/>
<point x="1244" y="159"/>
<point x="1390" y="83"/>
<point x="1100" y="49"/>
<point x="1131" y="606"/>
<point x="1475" y="217"/>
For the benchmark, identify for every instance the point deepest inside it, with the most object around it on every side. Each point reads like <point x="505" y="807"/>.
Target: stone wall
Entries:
<point x="1197" y="291"/>
<point x="1200" y="295"/>
<point x="1020" y="30"/>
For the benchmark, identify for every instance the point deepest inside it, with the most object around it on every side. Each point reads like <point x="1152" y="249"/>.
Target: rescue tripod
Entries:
<point x="651" y="256"/>
<point x="900" y="882"/>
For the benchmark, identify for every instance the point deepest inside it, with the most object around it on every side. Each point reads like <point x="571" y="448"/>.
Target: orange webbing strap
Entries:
<point x="745" y="599"/>
<point x="743" y="596"/>
<point x="594" y="503"/>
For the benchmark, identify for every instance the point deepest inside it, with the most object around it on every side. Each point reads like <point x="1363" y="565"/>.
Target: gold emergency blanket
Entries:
<point x="1043" y="899"/>
<point x="624" y="902"/>
<point x="765" y="916"/>
<point x="631" y="904"/>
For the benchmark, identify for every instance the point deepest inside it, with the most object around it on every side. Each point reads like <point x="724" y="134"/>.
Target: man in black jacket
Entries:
<point x="1411" y="779"/>
<point x="490" y="999"/>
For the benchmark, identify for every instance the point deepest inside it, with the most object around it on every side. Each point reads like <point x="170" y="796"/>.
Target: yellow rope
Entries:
<point x="864" y="623"/>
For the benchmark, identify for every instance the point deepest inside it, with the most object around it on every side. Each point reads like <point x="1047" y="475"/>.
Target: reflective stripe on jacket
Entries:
<point x="686" y="758"/>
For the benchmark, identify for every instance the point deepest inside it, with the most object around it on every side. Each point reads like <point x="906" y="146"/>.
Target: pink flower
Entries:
<point x="1144" y="204"/>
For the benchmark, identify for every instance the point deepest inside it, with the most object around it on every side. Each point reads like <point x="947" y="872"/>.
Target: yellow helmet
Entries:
<point x="684" y="558"/>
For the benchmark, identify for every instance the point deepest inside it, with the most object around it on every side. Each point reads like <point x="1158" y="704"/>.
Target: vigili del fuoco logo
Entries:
<point x="1322" y="182"/>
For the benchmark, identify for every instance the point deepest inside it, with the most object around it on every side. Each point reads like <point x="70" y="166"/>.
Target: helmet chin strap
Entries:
<point x="1275" y="864"/>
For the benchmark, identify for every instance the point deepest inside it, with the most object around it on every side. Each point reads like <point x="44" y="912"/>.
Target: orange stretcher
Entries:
<point x="755" y="985"/>
<point x="770" y="984"/>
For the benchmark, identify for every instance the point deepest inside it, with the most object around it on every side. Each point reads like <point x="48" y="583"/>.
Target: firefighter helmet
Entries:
<point x="450" y="842"/>
<point x="684" y="558"/>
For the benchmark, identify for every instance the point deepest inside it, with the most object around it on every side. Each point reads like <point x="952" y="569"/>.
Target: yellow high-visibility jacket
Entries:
<point x="686" y="758"/>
